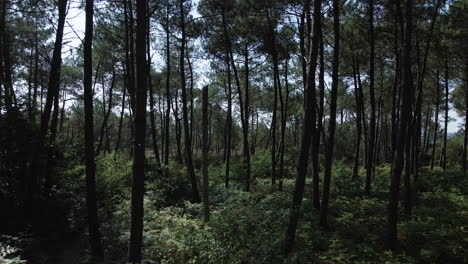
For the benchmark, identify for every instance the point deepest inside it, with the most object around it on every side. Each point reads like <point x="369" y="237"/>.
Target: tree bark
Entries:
<point x="444" y="146"/>
<point x="332" y="121"/>
<point x="93" y="222"/>
<point x="401" y="140"/>
<point x="465" y="142"/>
<point x="187" y="139"/>
<point x="436" y="117"/>
<point x="138" y="180"/>
<point x="122" y="111"/>
<point x="107" y="113"/>
<point x="206" y="203"/>
<point x="357" y="145"/>
<point x="151" y="95"/>
<point x="228" y="132"/>
<point x="168" y="80"/>
<point x="372" y="123"/>
<point x="316" y="138"/>
<point x="308" y="129"/>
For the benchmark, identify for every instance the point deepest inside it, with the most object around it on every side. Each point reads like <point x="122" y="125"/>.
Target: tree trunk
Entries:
<point x="332" y="121"/>
<point x="284" y="116"/>
<point x="308" y="129"/>
<point x="206" y="203"/>
<point x="93" y="222"/>
<point x="228" y="132"/>
<point x="371" y="138"/>
<point x="107" y="112"/>
<point x="187" y="139"/>
<point x="316" y="138"/>
<point x="401" y="140"/>
<point x="138" y="180"/>
<point x="357" y="146"/>
<point x="436" y="117"/>
<point x="168" y="80"/>
<point x="151" y="94"/>
<point x="444" y="146"/>
<point x="54" y="83"/>
<point x="465" y="143"/>
<point x="122" y="111"/>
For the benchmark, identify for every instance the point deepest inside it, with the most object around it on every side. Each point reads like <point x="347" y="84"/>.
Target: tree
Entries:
<point x="405" y="115"/>
<point x="206" y="203"/>
<point x="308" y="129"/>
<point x="371" y="139"/>
<point x="187" y="139"/>
<point x="329" y="144"/>
<point x="138" y="180"/>
<point x="93" y="222"/>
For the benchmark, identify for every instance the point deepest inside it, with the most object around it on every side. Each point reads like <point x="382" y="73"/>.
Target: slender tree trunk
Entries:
<point x="54" y="84"/>
<point x="122" y="111"/>
<point x="436" y="117"/>
<point x="151" y="95"/>
<point x="421" y="75"/>
<point x="372" y="123"/>
<point x="2" y="74"/>
<point x="206" y="203"/>
<point x="93" y="222"/>
<point x="427" y="132"/>
<point x="398" y="160"/>
<point x="188" y="142"/>
<point x="357" y="146"/>
<point x="168" y="80"/>
<point x="129" y="62"/>
<point x="332" y="121"/>
<point x="245" y="117"/>
<point x="273" y="120"/>
<point x="444" y="146"/>
<point x="284" y="116"/>
<point x="228" y="138"/>
<point x="192" y="123"/>
<point x="276" y="87"/>
<point x="6" y="70"/>
<point x="308" y="129"/>
<point x="465" y="143"/>
<point x="138" y="180"/>
<point x="316" y="138"/>
<point x="178" y="133"/>
<point x="106" y="114"/>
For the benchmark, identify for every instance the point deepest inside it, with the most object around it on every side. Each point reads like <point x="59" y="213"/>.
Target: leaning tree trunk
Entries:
<point x="54" y="83"/>
<point x="308" y="129"/>
<point x="107" y="113"/>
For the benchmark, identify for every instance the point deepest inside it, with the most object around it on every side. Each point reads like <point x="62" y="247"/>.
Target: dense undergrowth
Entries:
<point x="248" y="227"/>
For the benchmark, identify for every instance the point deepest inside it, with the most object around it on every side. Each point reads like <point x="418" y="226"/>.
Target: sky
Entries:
<point x="74" y="33"/>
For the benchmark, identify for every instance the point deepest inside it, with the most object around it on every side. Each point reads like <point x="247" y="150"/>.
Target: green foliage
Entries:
<point x="167" y="186"/>
<point x="261" y="164"/>
<point x="113" y="179"/>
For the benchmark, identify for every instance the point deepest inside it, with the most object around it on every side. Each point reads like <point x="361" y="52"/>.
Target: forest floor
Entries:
<point x="248" y="227"/>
